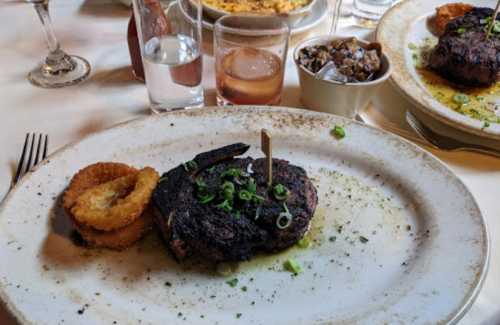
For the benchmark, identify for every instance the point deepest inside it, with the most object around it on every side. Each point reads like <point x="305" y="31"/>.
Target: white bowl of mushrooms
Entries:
<point x="340" y="75"/>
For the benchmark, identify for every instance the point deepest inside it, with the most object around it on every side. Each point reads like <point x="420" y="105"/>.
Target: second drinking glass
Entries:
<point x="171" y="52"/>
<point x="250" y="57"/>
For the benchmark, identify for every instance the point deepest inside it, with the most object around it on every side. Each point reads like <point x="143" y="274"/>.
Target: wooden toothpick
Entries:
<point x="267" y="149"/>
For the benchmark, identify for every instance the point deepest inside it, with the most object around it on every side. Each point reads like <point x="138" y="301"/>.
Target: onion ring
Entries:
<point x="91" y="176"/>
<point x="117" y="239"/>
<point x="117" y="203"/>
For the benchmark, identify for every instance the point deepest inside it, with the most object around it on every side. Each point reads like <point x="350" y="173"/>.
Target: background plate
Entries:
<point x="424" y="261"/>
<point x="401" y="25"/>
<point x="319" y="12"/>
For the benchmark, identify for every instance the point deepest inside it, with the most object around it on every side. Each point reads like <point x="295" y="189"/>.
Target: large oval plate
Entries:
<point x="403" y="24"/>
<point x="397" y="237"/>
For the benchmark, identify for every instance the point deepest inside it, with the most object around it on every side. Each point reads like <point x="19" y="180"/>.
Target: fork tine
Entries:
<point x="30" y="155"/>
<point x="39" y="145"/>
<point x="45" y="147"/>
<point x="21" y="160"/>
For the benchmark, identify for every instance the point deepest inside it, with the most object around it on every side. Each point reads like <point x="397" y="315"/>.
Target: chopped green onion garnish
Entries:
<point x="200" y="183"/>
<point x="486" y="124"/>
<point x="225" y="206"/>
<point x="293" y="266"/>
<point x="412" y="46"/>
<point x="338" y="132"/>
<point x="190" y="165"/>
<point x="245" y="195"/>
<point x="211" y="170"/>
<point x="496" y="27"/>
<point x="251" y="186"/>
<point x="162" y="179"/>
<point x="244" y="288"/>
<point x="284" y="219"/>
<point x="228" y="190"/>
<point x="280" y="192"/>
<point x="363" y="239"/>
<point x="461" y="30"/>
<point x="231" y="172"/>
<point x="232" y="283"/>
<point x="257" y="199"/>
<point x="206" y="198"/>
<point x="304" y="243"/>
<point x="257" y="213"/>
<point x="461" y="99"/>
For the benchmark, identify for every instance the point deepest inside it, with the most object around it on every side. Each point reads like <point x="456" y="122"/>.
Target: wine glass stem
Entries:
<point x="43" y="12"/>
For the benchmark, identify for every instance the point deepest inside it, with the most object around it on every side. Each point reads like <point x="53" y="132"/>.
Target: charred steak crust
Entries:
<point x="464" y="55"/>
<point x="191" y="227"/>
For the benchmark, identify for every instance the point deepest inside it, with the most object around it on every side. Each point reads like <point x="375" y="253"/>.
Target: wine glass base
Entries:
<point x="41" y="78"/>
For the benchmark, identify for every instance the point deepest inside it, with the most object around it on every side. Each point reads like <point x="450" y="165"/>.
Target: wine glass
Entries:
<point x="59" y="69"/>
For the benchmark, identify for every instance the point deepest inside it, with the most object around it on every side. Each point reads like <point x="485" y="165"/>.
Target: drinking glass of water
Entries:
<point x="170" y="41"/>
<point x="250" y="57"/>
<point x="371" y="9"/>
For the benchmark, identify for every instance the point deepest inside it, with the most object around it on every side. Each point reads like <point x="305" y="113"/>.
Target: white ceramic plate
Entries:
<point x="319" y="11"/>
<point x="424" y="262"/>
<point x="405" y="23"/>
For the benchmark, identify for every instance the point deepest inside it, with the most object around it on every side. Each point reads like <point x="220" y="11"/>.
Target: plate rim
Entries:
<point x="293" y="31"/>
<point x="406" y="84"/>
<point x="454" y="316"/>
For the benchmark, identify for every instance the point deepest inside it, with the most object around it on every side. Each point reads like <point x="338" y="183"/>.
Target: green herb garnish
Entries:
<point x="461" y="30"/>
<point x="232" y="172"/>
<point x="284" y="219"/>
<point x="257" y="199"/>
<point x="206" y="198"/>
<point x="190" y="165"/>
<point x="363" y="239"/>
<point x="412" y="46"/>
<point x="332" y="239"/>
<point x="304" y="242"/>
<point x="200" y="184"/>
<point x="245" y="195"/>
<point x="251" y="186"/>
<point x="486" y="124"/>
<point x="338" y="132"/>
<point x="461" y="99"/>
<point x="228" y="191"/>
<point x="211" y="170"/>
<point x="162" y="179"/>
<point x="292" y="266"/>
<point x="238" y="315"/>
<point x="280" y="192"/>
<point x="232" y="283"/>
<point x="225" y="206"/>
<point x="244" y="288"/>
<point x="237" y="215"/>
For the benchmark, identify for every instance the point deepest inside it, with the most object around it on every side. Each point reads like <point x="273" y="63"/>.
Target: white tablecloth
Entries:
<point x="96" y="29"/>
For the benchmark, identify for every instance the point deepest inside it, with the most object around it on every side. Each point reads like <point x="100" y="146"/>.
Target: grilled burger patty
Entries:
<point x="221" y="208"/>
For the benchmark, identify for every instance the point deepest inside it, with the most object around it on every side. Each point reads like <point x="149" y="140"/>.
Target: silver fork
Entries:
<point x="443" y="142"/>
<point x="41" y="143"/>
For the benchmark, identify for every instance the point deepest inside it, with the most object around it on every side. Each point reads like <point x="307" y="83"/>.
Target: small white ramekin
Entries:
<point x="345" y="99"/>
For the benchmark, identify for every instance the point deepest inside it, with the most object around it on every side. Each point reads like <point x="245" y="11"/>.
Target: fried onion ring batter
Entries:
<point x="117" y="203"/>
<point x="91" y="176"/>
<point x="116" y="239"/>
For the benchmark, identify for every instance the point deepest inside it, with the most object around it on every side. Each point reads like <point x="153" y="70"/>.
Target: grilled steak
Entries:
<point x="221" y="208"/>
<point x="464" y="55"/>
